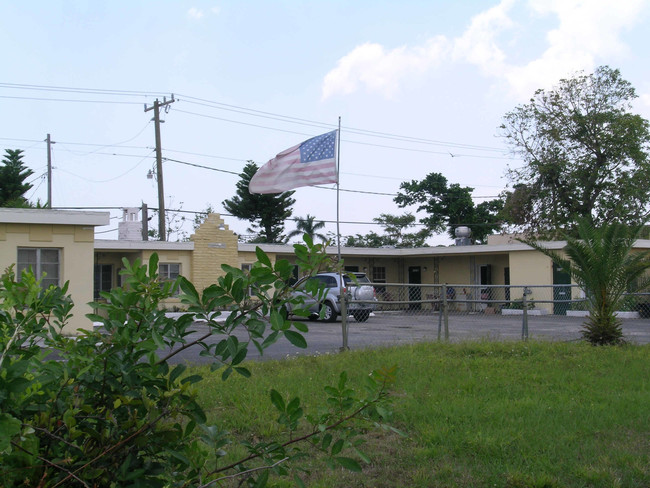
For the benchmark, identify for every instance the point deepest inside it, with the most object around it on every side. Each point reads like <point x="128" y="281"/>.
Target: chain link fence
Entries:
<point x="444" y="306"/>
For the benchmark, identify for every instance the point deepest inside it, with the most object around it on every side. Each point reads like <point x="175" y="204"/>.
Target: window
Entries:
<point x="103" y="279"/>
<point x="169" y="272"/>
<point x="379" y="274"/>
<point x="43" y="262"/>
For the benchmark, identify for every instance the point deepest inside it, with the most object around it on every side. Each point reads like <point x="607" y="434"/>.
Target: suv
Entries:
<point x="361" y="296"/>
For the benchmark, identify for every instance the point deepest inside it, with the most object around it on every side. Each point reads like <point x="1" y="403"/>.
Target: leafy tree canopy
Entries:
<point x="394" y="235"/>
<point x="584" y="153"/>
<point x="13" y="174"/>
<point x="267" y="212"/>
<point x="448" y="206"/>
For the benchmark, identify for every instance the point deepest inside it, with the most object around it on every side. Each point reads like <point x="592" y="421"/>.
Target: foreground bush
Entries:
<point x="109" y="409"/>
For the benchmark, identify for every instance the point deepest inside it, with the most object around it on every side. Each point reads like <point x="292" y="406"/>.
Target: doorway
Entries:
<point x="561" y="294"/>
<point x="415" y="292"/>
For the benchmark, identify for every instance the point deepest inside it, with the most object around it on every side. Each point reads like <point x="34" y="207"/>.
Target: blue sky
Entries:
<point x="423" y="84"/>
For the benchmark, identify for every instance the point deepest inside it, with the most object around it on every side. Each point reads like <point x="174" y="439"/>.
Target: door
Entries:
<point x="561" y="294"/>
<point x="415" y="292"/>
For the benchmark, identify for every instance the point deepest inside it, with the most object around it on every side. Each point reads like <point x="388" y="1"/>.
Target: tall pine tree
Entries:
<point x="266" y="213"/>
<point x="13" y="174"/>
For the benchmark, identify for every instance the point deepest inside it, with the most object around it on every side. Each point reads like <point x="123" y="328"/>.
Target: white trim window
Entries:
<point x="169" y="272"/>
<point x="45" y="263"/>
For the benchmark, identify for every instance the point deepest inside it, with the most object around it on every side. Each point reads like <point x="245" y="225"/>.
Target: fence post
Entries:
<point x="445" y="311"/>
<point x="524" y="324"/>
<point x="344" y="320"/>
<point x="441" y="305"/>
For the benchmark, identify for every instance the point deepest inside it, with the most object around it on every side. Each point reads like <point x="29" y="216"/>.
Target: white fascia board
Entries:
<point x="113" y="245"/>
<point x="53" y="217"/>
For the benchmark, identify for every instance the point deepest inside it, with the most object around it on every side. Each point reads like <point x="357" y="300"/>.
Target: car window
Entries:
<point x="330" y="282"/>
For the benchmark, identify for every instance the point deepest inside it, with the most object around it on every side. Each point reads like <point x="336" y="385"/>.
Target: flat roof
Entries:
<point x="406" y="252"/>
<point x="113" y="245"/>
<point x="53" y="217"/>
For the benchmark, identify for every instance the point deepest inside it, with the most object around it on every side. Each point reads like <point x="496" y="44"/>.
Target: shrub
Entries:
<point x="109" y="408"/>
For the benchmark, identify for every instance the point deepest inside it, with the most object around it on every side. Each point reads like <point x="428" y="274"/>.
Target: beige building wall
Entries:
<point x="455" y="269"/>
<point x="530" y="268"/>
<point x="47" y="230"/>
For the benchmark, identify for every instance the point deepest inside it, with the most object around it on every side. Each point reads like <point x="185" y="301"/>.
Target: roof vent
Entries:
<point x="463" y="234"/>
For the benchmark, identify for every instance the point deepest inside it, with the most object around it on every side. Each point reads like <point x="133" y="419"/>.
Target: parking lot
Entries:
<point x="391" y="328"/>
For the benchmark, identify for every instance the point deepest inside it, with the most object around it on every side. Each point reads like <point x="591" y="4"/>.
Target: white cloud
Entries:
<point x="195" y="13"/>
<point x="587" y="31"/>
<point x="379" y="70"/>
<point x="478" y="43"/>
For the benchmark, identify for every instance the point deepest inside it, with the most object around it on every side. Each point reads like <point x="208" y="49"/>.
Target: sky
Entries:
<point x="419" y="87"/>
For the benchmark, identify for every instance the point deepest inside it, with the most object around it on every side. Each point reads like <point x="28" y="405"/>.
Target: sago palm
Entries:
<point x="600" y="260"/>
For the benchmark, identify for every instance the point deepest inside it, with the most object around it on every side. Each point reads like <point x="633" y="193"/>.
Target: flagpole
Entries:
<point x="344" y="304"/>
<point x="338" y="176"/>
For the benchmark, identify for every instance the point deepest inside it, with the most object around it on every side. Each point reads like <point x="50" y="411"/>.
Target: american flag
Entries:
<point x="312" y="162"/>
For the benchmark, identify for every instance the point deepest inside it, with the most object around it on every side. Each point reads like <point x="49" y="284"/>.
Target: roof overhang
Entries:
<point x="52" y="217"/>
<point x="113" y="245"/>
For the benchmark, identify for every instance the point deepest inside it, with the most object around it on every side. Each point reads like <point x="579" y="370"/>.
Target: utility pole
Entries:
<point x="49" y="171"/>
<point x="159" y="170"/>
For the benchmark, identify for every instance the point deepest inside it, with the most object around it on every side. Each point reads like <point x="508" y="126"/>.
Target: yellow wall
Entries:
<point x="530" y="268"/>
<point x="455" y="269"/>
<point x="212" y="248"/>
<point x="77" y="254"/>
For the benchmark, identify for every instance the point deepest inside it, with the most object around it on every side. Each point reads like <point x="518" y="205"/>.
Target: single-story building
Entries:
<point x="58" y="246"/>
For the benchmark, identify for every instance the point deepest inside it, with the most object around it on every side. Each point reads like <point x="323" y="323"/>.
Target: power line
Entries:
<point x="68" y="89"/>
<point x="296" y="120"/>
<point x="42" y="99"/>
<point x="245" y="111"/>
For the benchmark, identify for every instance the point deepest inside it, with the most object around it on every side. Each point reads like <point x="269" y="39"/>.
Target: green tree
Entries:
<point x="371" y="239"/>
<point x="200" y="217"/>
<point x="601" y="261"/>
<point x="448" y="206"/>
<point x="584" y="153"/>
<point x="13" y="174"/>
<point x="309" y="226"/>
<point x="266" y="212"/>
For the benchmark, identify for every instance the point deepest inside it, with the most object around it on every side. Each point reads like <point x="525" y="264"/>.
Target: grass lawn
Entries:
<point x="485" y="414"/>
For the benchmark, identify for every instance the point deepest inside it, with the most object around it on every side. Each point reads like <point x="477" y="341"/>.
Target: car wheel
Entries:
<point x="361" y="315"/>
<point x="330" y="313"/>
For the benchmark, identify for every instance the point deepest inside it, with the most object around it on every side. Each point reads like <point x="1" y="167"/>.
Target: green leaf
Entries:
<point x="300" y="326"/>
<point x="295" y="338"/>
<point x="277" y="320"/>
<point x="337" y="447"/>
<point x="262" y="257"/>
<point x="349" y="463"/>
<point x="243" y="371"/>
<point x="153" y="265"/>
<point x="195" y="378"/>
<point x="277" y="401"/>
<point x="9" y="427"/>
